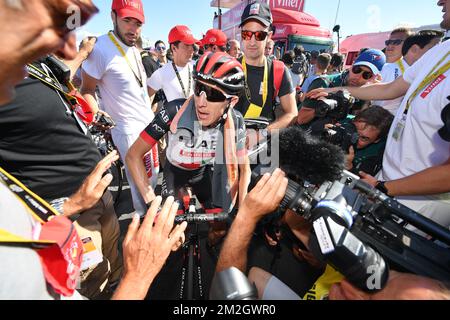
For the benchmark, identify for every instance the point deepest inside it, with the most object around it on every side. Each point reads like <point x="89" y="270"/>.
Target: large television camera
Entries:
<point x="361" y="232"/>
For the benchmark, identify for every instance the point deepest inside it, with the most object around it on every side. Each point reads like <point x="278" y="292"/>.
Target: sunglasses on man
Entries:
<point x="162" y="48"/>
<point x="395" y="42"/>
<point x="212" y="95"/>
<point x="367" y="75"/>
<point x="259" y="35"/>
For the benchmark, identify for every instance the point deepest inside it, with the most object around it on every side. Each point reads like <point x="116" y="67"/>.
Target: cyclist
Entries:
<point x="202" y="130"/>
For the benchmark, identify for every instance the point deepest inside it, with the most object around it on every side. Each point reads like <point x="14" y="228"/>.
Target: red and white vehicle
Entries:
<point x="293" y="26"/>
<point x="353" y="44"/>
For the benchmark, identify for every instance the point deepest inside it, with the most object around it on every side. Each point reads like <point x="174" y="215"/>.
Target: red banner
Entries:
<point x="294" y="5"/>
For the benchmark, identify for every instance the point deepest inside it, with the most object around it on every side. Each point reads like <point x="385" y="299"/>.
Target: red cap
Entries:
<point x="183" y="34"/>
<point x="129" y="9"/>
<point x="215" y="37"/>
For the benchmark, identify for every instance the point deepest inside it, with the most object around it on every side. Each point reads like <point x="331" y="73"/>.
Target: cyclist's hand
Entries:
<point x="92" y="188"/>
<point x="266" y="196"/>
<point x="147" y="246"/>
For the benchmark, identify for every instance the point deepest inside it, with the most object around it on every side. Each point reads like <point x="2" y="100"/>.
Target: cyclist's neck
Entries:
<point x="258" y="62"/>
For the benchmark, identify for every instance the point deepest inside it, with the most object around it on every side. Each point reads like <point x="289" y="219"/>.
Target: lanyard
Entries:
<point x="432" y="76"/>
<point x="255" y="111"/>
<point x="401" y="65"/>
<point x="188" y="91"/>
<point x="39" y="208"/>
<point x="138" y="79"/>
<point x="76" y="101"/>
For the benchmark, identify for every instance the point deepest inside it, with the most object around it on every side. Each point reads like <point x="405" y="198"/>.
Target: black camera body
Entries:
<point x="336" y="105"/>
<point x="60" y="70"/>
<point x="343" y="136"/>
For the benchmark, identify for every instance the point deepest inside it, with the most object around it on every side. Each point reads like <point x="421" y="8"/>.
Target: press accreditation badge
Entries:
<point x="399" y="128"/>
<point x="91" y="256"/>
<point x="261" y="89"/>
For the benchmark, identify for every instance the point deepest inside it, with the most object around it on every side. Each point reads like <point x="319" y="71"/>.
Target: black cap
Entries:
<point x="257" y="11"/>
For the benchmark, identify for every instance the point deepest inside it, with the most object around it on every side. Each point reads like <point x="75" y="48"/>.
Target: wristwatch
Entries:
<point x="381" y="185"/>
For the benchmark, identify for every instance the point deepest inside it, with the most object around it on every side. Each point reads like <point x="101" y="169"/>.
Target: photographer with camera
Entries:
<point x="366" y="69"/>
<point x="346" y="225"/>
<point x="263" y="200"/>
<point x="362" y="138"/>
<point x="416" y="164"/>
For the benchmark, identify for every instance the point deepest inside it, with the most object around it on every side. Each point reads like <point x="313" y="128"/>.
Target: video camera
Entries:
<point x="361" y="232"/>
<point x="344" y="136"/>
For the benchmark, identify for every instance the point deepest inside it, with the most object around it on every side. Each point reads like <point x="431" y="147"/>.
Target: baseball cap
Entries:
<point x="373" y="59"/>
<point x="129" y="9"/>
<point x="257" y="11"/>
<point x="183" y="34"/>
<point x="215" y="37"/>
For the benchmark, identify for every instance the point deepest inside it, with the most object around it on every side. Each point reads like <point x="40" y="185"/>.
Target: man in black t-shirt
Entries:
<point x="48" y="148"/>
<point x="266" y="79"/>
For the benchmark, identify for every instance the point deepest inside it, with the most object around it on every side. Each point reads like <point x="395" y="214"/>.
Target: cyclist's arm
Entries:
<point x="148" y="138"/>
<point x="244" y="178"/>
<point x="88" y="90"/>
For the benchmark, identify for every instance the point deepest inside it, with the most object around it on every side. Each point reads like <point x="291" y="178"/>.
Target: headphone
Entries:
<point x="444" y="132"/>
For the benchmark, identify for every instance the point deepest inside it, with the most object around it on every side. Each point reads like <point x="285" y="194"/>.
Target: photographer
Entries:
<point x="416" y="163"/>
<point x="366" y="69"/>
<point x="263" y="200"/>
<point x="363" y="139"/>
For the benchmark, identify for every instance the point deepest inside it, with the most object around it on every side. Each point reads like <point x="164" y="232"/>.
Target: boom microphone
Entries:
<point x="308" y="158"/>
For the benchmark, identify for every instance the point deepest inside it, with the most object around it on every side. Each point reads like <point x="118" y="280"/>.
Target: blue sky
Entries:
<point x="355" y="16"/>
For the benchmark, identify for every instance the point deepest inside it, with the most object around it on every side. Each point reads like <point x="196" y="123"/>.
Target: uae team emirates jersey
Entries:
<point x="191" y="146"/>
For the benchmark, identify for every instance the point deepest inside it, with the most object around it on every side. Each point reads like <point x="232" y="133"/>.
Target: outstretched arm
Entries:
<point x="262" y="200"/>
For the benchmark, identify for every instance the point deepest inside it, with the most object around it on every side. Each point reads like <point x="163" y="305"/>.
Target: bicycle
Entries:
<point x="191" y="249"/>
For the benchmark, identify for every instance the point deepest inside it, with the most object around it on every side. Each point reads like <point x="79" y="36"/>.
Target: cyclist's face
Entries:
<point x="208" y="113"/>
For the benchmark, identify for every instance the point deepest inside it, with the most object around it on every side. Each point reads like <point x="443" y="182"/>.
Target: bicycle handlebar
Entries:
<point x="194" y="218"/>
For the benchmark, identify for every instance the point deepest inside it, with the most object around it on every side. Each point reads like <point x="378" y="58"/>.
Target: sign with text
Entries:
<point x="293" y="5"/>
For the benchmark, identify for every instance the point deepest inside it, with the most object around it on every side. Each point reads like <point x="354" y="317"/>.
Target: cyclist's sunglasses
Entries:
<point x="259" y="35"/>
<point x="212" y="95"/>
<point x="365" y="74"/>
<point x="396" y="42"/>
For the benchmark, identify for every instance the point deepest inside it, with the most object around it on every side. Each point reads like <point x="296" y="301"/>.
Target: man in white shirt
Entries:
<point x="416" y="164"/>
<point x="116" y="68"/>
<point x="414" y="47"/>
<point x="175" y="78"/>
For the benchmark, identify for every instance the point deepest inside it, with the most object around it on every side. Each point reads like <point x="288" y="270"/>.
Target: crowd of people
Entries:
<point x="179" y="111"/>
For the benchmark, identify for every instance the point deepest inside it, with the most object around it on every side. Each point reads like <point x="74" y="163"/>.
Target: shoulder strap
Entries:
<point x="278" y="74"/>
